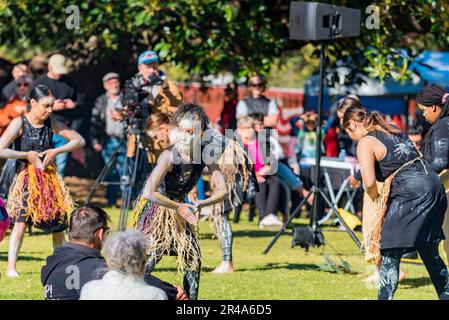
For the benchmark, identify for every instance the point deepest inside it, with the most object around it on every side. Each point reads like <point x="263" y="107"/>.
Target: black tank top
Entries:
<point x="32" y="138"/>
<point x="400" y="150"/>
<point x="182" y="178"/>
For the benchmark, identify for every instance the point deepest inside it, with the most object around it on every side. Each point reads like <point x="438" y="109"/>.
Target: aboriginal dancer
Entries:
<point x="161" y="213"/>
<point x="38" y="195"/>
<point x="411" y="205"/>
<point x="433" y="100"/>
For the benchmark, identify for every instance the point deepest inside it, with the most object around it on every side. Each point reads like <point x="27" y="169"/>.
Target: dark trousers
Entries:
<point x="389" y="270"/>
<point x="268" y="196"/>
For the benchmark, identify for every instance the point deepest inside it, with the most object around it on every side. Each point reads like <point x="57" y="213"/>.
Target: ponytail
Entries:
<point x="374" y="119"/>
<point x="370" y="120"/>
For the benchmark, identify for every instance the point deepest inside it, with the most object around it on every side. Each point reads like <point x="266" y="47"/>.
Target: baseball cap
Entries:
<point x="110" y="75"/>
<point x="147" y="57"/>
<point x="57" y="63"/>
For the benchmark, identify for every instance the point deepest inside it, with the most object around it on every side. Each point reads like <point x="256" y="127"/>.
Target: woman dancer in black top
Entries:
<point x="433" y="100"/>
<point x="411" y="204"/>
<point x="38" y="194"/>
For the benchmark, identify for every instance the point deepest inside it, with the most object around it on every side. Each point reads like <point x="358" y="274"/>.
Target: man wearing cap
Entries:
<point x="164" y="96"/>
<point x="107" y="132"/>
<point x="67" y="104"/>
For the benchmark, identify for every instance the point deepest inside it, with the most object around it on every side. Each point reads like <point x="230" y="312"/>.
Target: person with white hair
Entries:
<point x="126" y="257"/>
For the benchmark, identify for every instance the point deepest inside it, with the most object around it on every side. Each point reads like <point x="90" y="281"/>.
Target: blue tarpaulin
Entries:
<point x="389" y="97"/>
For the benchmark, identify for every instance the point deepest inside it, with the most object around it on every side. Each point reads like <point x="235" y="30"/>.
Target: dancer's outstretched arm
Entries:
<point x="221" y="191"/>
<point x="75" y="141"/>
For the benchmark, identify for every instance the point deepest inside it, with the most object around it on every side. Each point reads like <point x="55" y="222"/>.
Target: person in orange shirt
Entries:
<point x="16" y="105"/>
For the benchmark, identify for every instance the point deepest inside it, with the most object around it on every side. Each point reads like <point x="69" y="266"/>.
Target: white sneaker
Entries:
<point x="269" y="221"/>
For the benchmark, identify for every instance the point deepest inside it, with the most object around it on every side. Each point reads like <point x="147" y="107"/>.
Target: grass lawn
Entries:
<point x="285" y="273"/>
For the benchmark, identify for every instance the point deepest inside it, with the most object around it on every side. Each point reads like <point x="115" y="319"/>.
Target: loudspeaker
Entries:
<point x="311" y="21"/>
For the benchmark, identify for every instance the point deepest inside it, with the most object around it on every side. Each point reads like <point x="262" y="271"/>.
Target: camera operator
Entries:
<point x="158" y="94"/>
<point x="148" y="92"/>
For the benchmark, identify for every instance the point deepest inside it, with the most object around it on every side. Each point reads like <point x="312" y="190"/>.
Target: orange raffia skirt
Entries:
<point x="39" y="196"/>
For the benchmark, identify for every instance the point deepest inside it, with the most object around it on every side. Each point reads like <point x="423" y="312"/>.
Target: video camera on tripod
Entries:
<point x="137" y="92"/>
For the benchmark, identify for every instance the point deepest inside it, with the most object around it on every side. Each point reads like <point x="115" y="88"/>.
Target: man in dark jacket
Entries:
<point x="80" y="261"/>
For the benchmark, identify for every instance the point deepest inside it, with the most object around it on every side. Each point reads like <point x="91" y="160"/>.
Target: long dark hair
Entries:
<point x="434" y="94"/>
<point x="370" y="120"/>
<point x="39" y="92"/>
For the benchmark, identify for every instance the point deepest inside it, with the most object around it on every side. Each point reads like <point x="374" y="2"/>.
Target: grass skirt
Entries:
<point x="166" y="232"/>
<point x="41" y="196"/>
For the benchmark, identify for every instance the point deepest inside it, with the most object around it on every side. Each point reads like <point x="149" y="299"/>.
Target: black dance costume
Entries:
<point x="415" y="212"/>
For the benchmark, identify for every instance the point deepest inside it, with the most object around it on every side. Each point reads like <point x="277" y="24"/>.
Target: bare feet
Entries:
<point x="12" y="274"/>
<point x="224" y="267"/>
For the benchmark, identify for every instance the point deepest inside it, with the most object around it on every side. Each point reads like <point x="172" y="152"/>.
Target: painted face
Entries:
<point x="430" y="113"/>
<point x="186" y="135"/>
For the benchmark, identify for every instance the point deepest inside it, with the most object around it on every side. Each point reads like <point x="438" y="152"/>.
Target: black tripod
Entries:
<point x="317" y="238"/>
<point x="128" y="179"/>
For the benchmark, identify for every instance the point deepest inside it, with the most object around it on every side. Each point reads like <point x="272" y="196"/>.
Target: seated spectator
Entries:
<point x="80" y="261"/>
<point x="19" y="70"/>
<point x="269" y="186"/>
<point x="286" y="167"/>
<point x="126" y="257"/>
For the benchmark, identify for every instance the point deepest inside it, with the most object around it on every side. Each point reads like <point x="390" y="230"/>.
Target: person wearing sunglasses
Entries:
<point x="19" y="70"/>
<point x="257" y="102"/>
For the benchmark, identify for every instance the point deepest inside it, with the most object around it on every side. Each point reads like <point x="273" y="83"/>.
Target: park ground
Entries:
<point x="284" y="273"/>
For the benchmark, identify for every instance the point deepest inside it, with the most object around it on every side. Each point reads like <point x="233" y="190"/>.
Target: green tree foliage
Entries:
<point x="211" y="36"/>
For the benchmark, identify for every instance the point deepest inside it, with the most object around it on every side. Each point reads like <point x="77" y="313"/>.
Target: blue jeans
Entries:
<point x="61" y="159"/>
<point x="111" y="145"/>
<point x="287" y="174"/>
